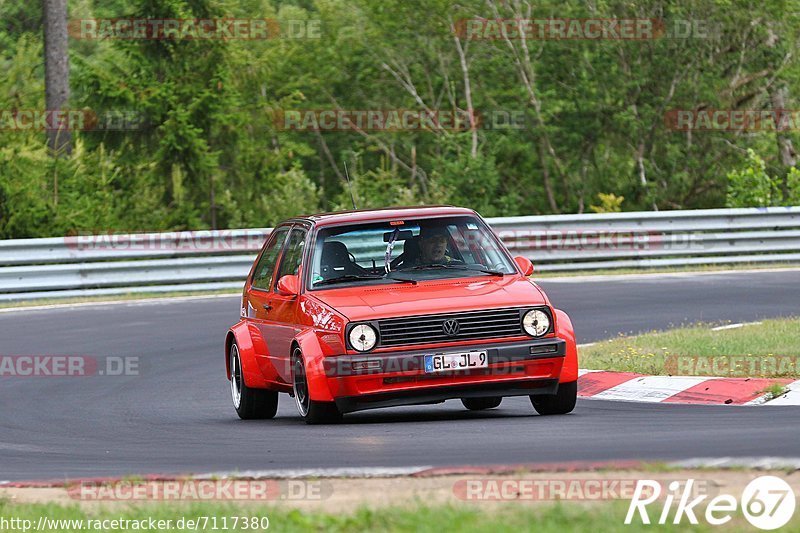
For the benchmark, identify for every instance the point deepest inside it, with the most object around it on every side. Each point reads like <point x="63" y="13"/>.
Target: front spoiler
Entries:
<point x="392" y="367"/>
<point x="349" y="404"/>
<point x="414" y="361"/>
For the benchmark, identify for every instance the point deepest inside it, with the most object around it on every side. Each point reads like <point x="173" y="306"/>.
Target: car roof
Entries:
<point x="387" y="213"/>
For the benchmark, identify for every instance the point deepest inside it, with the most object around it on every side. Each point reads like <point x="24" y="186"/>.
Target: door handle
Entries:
<point x="266" y="307"/>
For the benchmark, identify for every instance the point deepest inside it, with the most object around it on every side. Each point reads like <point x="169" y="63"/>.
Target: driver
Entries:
<point x="433" y="246"/>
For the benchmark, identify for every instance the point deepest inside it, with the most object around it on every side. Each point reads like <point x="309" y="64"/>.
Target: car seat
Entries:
<point x="336" y="261"/>
<point x="409" y="256"/>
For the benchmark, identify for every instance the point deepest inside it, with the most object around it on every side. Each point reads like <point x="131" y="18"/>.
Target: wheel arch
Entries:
<point x="240" y="334"/>
<point x="229" y="338"/>
<point x="309" y="345"/>
<point x="564" y="330"/>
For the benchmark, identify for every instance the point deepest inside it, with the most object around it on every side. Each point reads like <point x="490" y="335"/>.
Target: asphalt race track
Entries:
<point x="176" y="416"/>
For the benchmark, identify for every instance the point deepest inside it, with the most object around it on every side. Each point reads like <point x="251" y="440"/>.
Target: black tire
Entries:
<point x="250" y="404"/>
<point x="311" y="411"/>
<point x="479" y="404"/>
<point x="561" y="403"/>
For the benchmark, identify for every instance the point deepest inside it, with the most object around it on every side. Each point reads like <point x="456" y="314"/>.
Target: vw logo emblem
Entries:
<point x="451" y="327"/>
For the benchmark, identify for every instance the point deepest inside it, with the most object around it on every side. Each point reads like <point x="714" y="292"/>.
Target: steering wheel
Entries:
<point x="361" y="270"/>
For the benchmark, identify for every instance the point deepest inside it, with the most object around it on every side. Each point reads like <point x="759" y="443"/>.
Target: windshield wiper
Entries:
<point x="358" y="277"/>
<point x="436" y="266"/>
<point x="486" y="271"/>
<point x="391" y="275"/>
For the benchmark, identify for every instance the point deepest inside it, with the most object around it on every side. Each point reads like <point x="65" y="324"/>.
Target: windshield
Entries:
<point x="406" y="251"/>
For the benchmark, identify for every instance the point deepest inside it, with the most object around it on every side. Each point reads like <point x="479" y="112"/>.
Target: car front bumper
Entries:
<point x="386" y="379"/>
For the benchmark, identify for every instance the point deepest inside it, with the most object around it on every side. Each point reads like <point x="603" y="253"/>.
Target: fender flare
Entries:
<point x="564" y="330"/>
<point x="316" y="377"/>
<point x="244" y="340"/>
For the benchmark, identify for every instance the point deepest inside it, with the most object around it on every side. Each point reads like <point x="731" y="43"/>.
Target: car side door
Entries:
<point x="259" y="301"/>
<point x="284" y="316"/>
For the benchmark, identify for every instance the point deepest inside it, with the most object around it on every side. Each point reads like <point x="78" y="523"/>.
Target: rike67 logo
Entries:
<point x="767" y="502"/>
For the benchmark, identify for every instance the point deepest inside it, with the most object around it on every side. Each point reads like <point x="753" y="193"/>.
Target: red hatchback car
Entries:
<point x="366" y="309"/>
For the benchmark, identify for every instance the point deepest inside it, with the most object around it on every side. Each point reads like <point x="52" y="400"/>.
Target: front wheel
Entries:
<point x="313" y="412"/>
<point x="561" y="403"/>
<point x="479" y="404"/>
<point x="250" y="404"/>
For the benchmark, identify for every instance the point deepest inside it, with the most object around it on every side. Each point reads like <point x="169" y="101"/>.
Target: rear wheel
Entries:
<point x="479" y="404"/>
<point x="561" y="403"/>
<point x="250" y="404"/>
<point x="313" y="412"/>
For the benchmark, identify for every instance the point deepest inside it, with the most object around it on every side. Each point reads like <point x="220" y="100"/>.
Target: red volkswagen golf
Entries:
<point x="366" y="309"/>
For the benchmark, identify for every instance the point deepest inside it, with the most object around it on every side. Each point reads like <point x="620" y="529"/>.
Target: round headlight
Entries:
<point x="536" y="322"/>
<point x="363" y="337"/>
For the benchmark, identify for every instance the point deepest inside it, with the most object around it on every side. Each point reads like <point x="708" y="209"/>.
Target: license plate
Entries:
<point x="447" y="362"/>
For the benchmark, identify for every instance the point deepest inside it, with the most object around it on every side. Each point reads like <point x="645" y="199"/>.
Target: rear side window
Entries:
<point x="262" y="277"/>
<point x="290" y="264"/>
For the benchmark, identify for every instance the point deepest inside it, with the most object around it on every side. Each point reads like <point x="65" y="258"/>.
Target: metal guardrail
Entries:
<point x="211" y="260"/>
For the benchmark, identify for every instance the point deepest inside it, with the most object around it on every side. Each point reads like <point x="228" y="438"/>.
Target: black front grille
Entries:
<point x="425" y="329"/>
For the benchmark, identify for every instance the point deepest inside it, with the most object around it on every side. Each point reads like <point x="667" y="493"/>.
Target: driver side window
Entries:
<point x="262" y="276"/>
<point x="290" y="263"/>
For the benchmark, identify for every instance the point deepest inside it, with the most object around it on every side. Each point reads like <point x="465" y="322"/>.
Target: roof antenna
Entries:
<point x="349" y="185"/>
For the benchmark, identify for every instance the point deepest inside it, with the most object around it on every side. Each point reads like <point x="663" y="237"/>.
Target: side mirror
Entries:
<point x="289" y="285"/>
<point x="524" y="264"/>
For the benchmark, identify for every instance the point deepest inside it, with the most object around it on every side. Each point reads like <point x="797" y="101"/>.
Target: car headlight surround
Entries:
<point x="362" y="337"/>
<point x="536" y="322"/>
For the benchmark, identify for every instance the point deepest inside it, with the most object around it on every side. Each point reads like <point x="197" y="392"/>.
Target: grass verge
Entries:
<point x="550" y="517"/>
<point x="768" y="349"/>
<point x="775" y="390"/>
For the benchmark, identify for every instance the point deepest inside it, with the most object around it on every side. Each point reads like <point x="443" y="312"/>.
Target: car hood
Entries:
<point x="431" y="297"/>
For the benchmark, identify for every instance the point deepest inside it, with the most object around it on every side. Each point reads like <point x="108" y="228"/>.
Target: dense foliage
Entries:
<point x="205" y="150"/>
